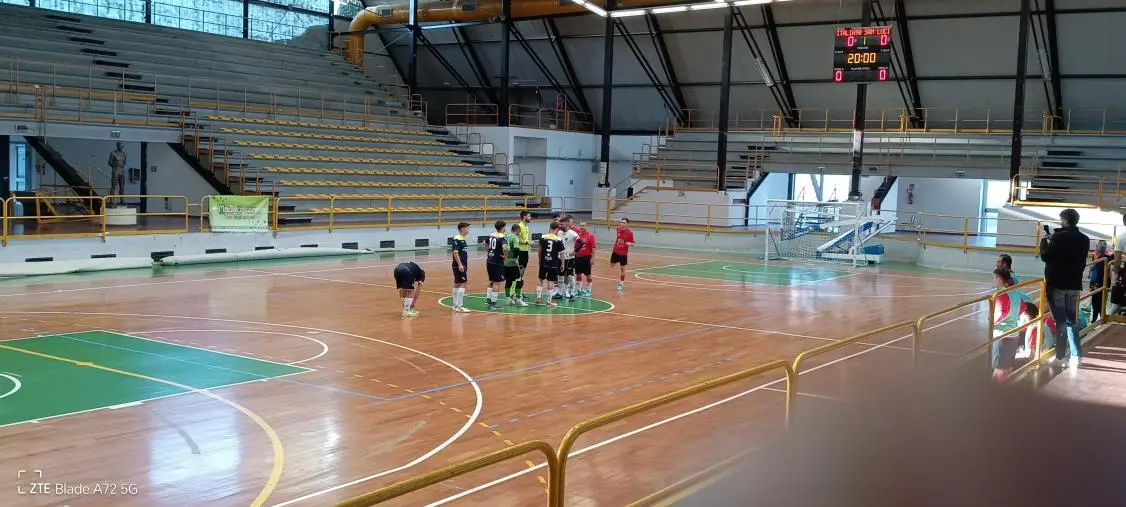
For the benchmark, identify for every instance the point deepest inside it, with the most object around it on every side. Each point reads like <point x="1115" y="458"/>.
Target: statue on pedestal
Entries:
<point x="117" y="171"/>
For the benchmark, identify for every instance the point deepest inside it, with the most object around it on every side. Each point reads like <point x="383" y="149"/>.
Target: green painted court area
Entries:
<point x="56" y="375"/>
<point x="749" y="273"/>
<point x="580" y="306"/>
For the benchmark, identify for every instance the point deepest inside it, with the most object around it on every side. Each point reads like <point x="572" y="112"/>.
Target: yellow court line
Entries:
<point x="275" y="441"/>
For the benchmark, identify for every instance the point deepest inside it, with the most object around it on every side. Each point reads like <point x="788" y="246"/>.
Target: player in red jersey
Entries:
<point x="620" y="255"/>
<point x="584" y="254"/>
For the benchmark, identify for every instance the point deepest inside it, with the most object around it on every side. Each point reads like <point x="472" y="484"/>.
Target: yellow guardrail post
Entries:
<point x="831" y="346"/>
<point x="485" y="207"/>
<point x="557" y="483"/>
<point x="442" y="198"/>
<point x="708" y="224"/>
<point x="409" y="486"/>
<point x="388" y="211"/>
<point x="331" y="212"/>
<point x="102" y="214"/>
<point x="657" y="216"/>
<point x="965" y="234"/>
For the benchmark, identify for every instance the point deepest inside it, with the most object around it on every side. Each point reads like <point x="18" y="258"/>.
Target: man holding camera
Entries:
<point x="1064" y="253"/>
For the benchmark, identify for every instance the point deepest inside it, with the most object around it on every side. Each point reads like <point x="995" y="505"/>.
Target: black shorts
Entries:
<point x="549" y="273"/>
<point x="583" y="265"/>
<point x="522" y="258"/>
<point x="568" y="267"/>
<point x="616" y="258"/>
<point x="404" y="280"/>
<point x="460" y="276"/>
<point x="496" y="272"/>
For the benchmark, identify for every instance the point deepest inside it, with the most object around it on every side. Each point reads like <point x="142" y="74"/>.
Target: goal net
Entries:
<point x="815" y="231"/>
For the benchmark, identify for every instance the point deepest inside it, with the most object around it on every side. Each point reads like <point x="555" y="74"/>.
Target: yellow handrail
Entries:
<point x="458" y="469"/>
<point x="558" y="482"/>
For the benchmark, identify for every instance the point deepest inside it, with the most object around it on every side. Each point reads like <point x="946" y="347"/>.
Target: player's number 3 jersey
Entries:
<point x="551" y="250"/>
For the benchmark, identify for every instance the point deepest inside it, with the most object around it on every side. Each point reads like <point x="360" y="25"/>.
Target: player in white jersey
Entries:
<point x="569" y="237"/>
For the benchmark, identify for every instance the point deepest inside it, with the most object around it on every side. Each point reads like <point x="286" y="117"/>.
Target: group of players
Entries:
<point x="566" y="256"/>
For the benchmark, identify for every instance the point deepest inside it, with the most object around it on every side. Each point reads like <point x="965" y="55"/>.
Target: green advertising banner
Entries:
<point x="239" y="213"/>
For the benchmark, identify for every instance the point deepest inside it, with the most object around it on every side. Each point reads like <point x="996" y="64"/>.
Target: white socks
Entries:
<point x="539" y="292"/>
<point x="491" y="295"/>
<point x="458" y="297"/>
<point x="407" y="302"/>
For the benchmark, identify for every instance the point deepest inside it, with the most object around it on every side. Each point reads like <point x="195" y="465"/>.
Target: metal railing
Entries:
<point x="549" y="118"/>
<point x="916" y="328"/>
<point x="939" y="120"/>
<point x="1078" y="190"/>
<point x="344" y="211"/>
<point x="457" y="470"/>
<point x="473" y="113"/>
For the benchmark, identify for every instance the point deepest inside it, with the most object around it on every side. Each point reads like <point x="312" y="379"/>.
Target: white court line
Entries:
<point x="146" y="400"/>
<point x="781" y="276"/>
<point x="611" y="312"/>
<point x="768" y="331"/>
<point x="166" y="343"/>
<point x="324" y="346"/>
<point x="662" y="422"/>
<point x="757" y="290"/>
<point x="472" y="382"/>
<point x="260" y="274"/>
<point x="16" y="385"/>
<point x="845" y="268"/>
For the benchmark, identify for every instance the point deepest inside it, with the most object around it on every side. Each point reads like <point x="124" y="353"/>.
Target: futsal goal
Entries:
<point x="823" y="231"/>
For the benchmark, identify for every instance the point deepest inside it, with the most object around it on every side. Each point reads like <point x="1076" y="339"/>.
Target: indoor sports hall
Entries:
<point x="320" y="252"/>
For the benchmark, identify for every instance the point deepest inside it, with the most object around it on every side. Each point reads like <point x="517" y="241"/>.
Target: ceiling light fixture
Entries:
<point x="665" y="10"/>
<point x="626" y="14"/>
<point x="591" y="7"/>
<point x="700" y="7"/>
<point x="741" y="3"/>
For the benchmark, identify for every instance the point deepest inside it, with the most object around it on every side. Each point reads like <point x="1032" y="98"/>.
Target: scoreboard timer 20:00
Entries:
<point x="862" y="55"/>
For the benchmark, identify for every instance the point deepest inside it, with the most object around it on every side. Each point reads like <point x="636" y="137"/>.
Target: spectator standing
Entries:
<point x="1065" y="257"/>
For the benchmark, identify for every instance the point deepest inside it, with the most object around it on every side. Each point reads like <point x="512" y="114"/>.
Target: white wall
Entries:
<point x="775" y="186"/>
<point x="940" y="196"/>
<point x="170" y="175"/>
<point x="567" y="162"/>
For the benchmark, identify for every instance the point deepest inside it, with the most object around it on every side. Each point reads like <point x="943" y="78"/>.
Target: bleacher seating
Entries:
<point x="265" y="118"/>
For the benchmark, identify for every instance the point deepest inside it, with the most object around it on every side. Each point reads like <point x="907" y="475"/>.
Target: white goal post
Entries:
<point x="807" y="231"/>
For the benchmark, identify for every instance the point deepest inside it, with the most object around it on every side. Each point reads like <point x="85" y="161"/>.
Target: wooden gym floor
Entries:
<point x="297" y="383"/>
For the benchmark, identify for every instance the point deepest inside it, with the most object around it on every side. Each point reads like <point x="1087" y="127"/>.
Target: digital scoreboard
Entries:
<point x="862" y="55"/>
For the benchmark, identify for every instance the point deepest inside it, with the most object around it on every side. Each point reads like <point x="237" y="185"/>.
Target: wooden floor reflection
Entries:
<point x="388" y="398"/>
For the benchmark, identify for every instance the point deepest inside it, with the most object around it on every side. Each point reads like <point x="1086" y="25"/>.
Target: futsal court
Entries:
<point x="298" y="383"/>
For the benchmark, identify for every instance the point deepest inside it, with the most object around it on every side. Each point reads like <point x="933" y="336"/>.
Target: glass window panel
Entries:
<point x="287" y="27"/>
<point x="17" y="2"/>
<point x="346" y="8"/>
<point x="127" y="10"/>
<point x="309" y="5"/>
<point x="222" y="17"/>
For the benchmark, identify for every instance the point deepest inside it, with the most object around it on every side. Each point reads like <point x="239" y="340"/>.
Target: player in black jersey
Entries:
<point x="460" y="267"/>
<point x="408" y="279"/>
<point x="496" y="247"/>
<point x="551" y="263"/>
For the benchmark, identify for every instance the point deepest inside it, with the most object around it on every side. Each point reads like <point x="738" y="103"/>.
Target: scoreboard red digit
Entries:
<point x="862" y="55"/>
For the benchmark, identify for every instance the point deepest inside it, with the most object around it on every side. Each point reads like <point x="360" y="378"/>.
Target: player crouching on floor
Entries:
<point x="408" y="279"/>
